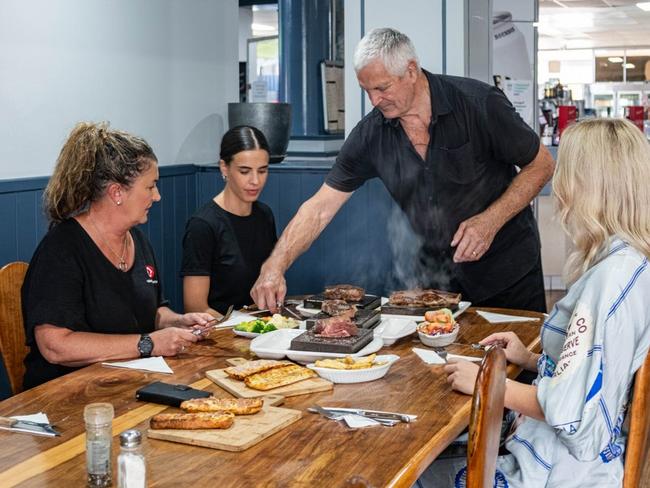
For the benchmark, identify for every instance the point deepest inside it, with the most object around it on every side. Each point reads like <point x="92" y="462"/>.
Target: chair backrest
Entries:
<point x="637" y="441"/>
<point x="485" y="420"/>
<point x="12" y="333"/>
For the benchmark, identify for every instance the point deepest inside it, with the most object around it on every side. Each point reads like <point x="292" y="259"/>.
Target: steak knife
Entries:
<point x="374" y="414"/>
<point x="28" y="426"/>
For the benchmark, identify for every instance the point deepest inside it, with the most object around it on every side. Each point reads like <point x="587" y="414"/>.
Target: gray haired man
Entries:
<point x="448" y="150"/>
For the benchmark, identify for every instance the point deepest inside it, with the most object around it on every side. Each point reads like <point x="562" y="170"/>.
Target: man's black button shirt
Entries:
<point x="476" y="141"/>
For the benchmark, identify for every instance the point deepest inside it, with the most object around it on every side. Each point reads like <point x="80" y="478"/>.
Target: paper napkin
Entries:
<point x="428" y="356"/>
<point x="39" y="417"/>
<point x="36" y="417"/>
<point x="238" y="317"/>
<point x="154" y="364"/>
<point x="356" y="421"/>
<point x="501" y="317"/>
<point x="464" y="358"/>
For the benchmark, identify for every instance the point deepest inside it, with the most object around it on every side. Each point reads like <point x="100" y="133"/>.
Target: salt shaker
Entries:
<point x="99" y="420"/>
<point x="131" y="469"/>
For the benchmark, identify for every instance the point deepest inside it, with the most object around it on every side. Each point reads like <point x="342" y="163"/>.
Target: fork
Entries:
<point x="442" y="352"/>
<point x="216" y="323"/>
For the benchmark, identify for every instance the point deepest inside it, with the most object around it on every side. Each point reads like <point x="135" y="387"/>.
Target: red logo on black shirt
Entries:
<point x="151" y="272"/>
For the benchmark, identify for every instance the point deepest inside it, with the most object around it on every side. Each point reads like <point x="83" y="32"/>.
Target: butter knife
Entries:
<point x="37" y="428"/>
<point x="374" y="414"/>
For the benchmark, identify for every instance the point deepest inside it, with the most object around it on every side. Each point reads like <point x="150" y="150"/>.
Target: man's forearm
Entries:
<point x="301" y="232"/>
<point x="523" y="189"/>
<point x="310" y="220"/>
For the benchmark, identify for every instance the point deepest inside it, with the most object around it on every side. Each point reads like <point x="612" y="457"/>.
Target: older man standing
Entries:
<point x="447" y="149"/>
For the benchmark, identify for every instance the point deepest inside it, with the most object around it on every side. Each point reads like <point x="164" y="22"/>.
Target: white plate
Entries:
<point x="307" y="311"/>
<point x="462" y="306"/>
<point x="356" y="375"/>
<point x="253" y="335"/>
<point x="390" y="329"/>
<point x="276" y="344"/>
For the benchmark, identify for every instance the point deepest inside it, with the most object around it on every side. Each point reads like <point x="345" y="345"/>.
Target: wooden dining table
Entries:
<point x="313" y="451"/>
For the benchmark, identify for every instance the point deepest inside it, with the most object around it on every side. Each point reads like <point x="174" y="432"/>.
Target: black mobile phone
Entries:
<point x="168" y="394"/>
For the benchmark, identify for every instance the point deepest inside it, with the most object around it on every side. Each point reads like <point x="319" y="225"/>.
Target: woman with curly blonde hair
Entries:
<point x="569" y="430"/>
<point x="92" y="291"/>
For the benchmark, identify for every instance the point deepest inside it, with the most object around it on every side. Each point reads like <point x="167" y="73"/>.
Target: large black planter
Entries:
<point x="273" y="119"/>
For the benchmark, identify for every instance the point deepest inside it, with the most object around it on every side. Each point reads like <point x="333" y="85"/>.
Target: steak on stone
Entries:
<point x="424" y="298"/>
<point x="337" y="307"/>
<point x="349" y="293"/>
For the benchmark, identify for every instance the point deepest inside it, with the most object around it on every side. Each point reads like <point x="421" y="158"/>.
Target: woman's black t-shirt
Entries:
<point x="71" y="284"/>
<point x="229" y="249"/>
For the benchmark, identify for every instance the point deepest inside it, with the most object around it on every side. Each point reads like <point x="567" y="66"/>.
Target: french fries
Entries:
<point x="348" y="362"/>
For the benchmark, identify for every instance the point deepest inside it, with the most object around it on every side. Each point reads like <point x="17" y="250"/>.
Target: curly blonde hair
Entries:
<point x="92" y="157"/>
<point x="601" y="189"/>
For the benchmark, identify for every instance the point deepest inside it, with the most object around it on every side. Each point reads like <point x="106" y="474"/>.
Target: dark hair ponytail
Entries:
<point x="242" y="138"/>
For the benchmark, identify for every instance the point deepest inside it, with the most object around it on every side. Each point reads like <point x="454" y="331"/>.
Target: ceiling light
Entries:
<point x="629" y="66"/>
<point x="644" y="6"/>
<point x="615" y="59"/>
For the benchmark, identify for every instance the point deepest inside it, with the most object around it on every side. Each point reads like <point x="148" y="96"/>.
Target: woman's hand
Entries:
<point x="171" y="341"/>
<point x="195" y="320"/>
<point x="461" y="375"/>
<point x="514" y="349"/>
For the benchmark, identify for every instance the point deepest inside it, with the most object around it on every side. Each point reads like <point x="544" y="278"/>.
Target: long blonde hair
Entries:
<point x="602" y="188"/>
<point x="91" y="158"/>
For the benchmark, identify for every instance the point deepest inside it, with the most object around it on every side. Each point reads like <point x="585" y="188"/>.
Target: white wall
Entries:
<point x="421" y="20"/>
<point x="163" y="69"/>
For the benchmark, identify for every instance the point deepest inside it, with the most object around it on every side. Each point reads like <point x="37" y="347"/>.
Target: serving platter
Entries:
<point x="391" y="329"/>
<point x="276" y="345"/>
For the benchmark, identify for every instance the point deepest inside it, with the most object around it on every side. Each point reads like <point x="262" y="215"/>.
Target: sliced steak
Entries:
<point x="341" y="326"/>
<point x="337" y="307"/>
<point x="426" y="298"/>
<point x="349" y="293"/>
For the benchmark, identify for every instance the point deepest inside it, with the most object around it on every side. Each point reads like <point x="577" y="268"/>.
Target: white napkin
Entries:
<point x="431" y="357"/>
<point x="464" y="358"/>
<point x="36" y="417"/>
<point x="39" y="417"/>
<point x="357" y="421"/>
<point x="154" y="364"/>
<point x="501" y="317"/>
<point x="236" y="318"/>
<point x="428" y="356"/>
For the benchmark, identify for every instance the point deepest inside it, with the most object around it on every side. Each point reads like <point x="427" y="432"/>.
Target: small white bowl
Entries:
<point x="356" y="375"/>
<point x="439" y="340"/>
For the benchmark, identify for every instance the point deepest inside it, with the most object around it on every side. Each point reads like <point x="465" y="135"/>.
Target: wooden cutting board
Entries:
<point x="246" y="431"/>
<point x="240" y="390"/>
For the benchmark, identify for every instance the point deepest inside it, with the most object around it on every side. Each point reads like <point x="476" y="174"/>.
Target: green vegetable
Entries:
<point x="269" y="328"/>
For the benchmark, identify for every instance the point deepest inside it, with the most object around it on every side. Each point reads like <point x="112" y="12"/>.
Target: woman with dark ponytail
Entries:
<point x="92" y="291"/>
<point x="227" y="240"/>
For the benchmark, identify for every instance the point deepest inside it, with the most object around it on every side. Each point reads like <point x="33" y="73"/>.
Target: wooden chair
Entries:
<point x="636" y="451"/>
<point x="485" y="420"/>
<point x="12" y="333"/>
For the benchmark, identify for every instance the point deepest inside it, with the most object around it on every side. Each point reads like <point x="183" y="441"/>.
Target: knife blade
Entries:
<point x="339" y="416"/>
<point x="402" y="417"/>
<point x="37" y="428"/>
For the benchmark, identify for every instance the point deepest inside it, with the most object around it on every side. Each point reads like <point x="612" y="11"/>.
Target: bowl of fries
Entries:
<point x="354" y="369"/>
